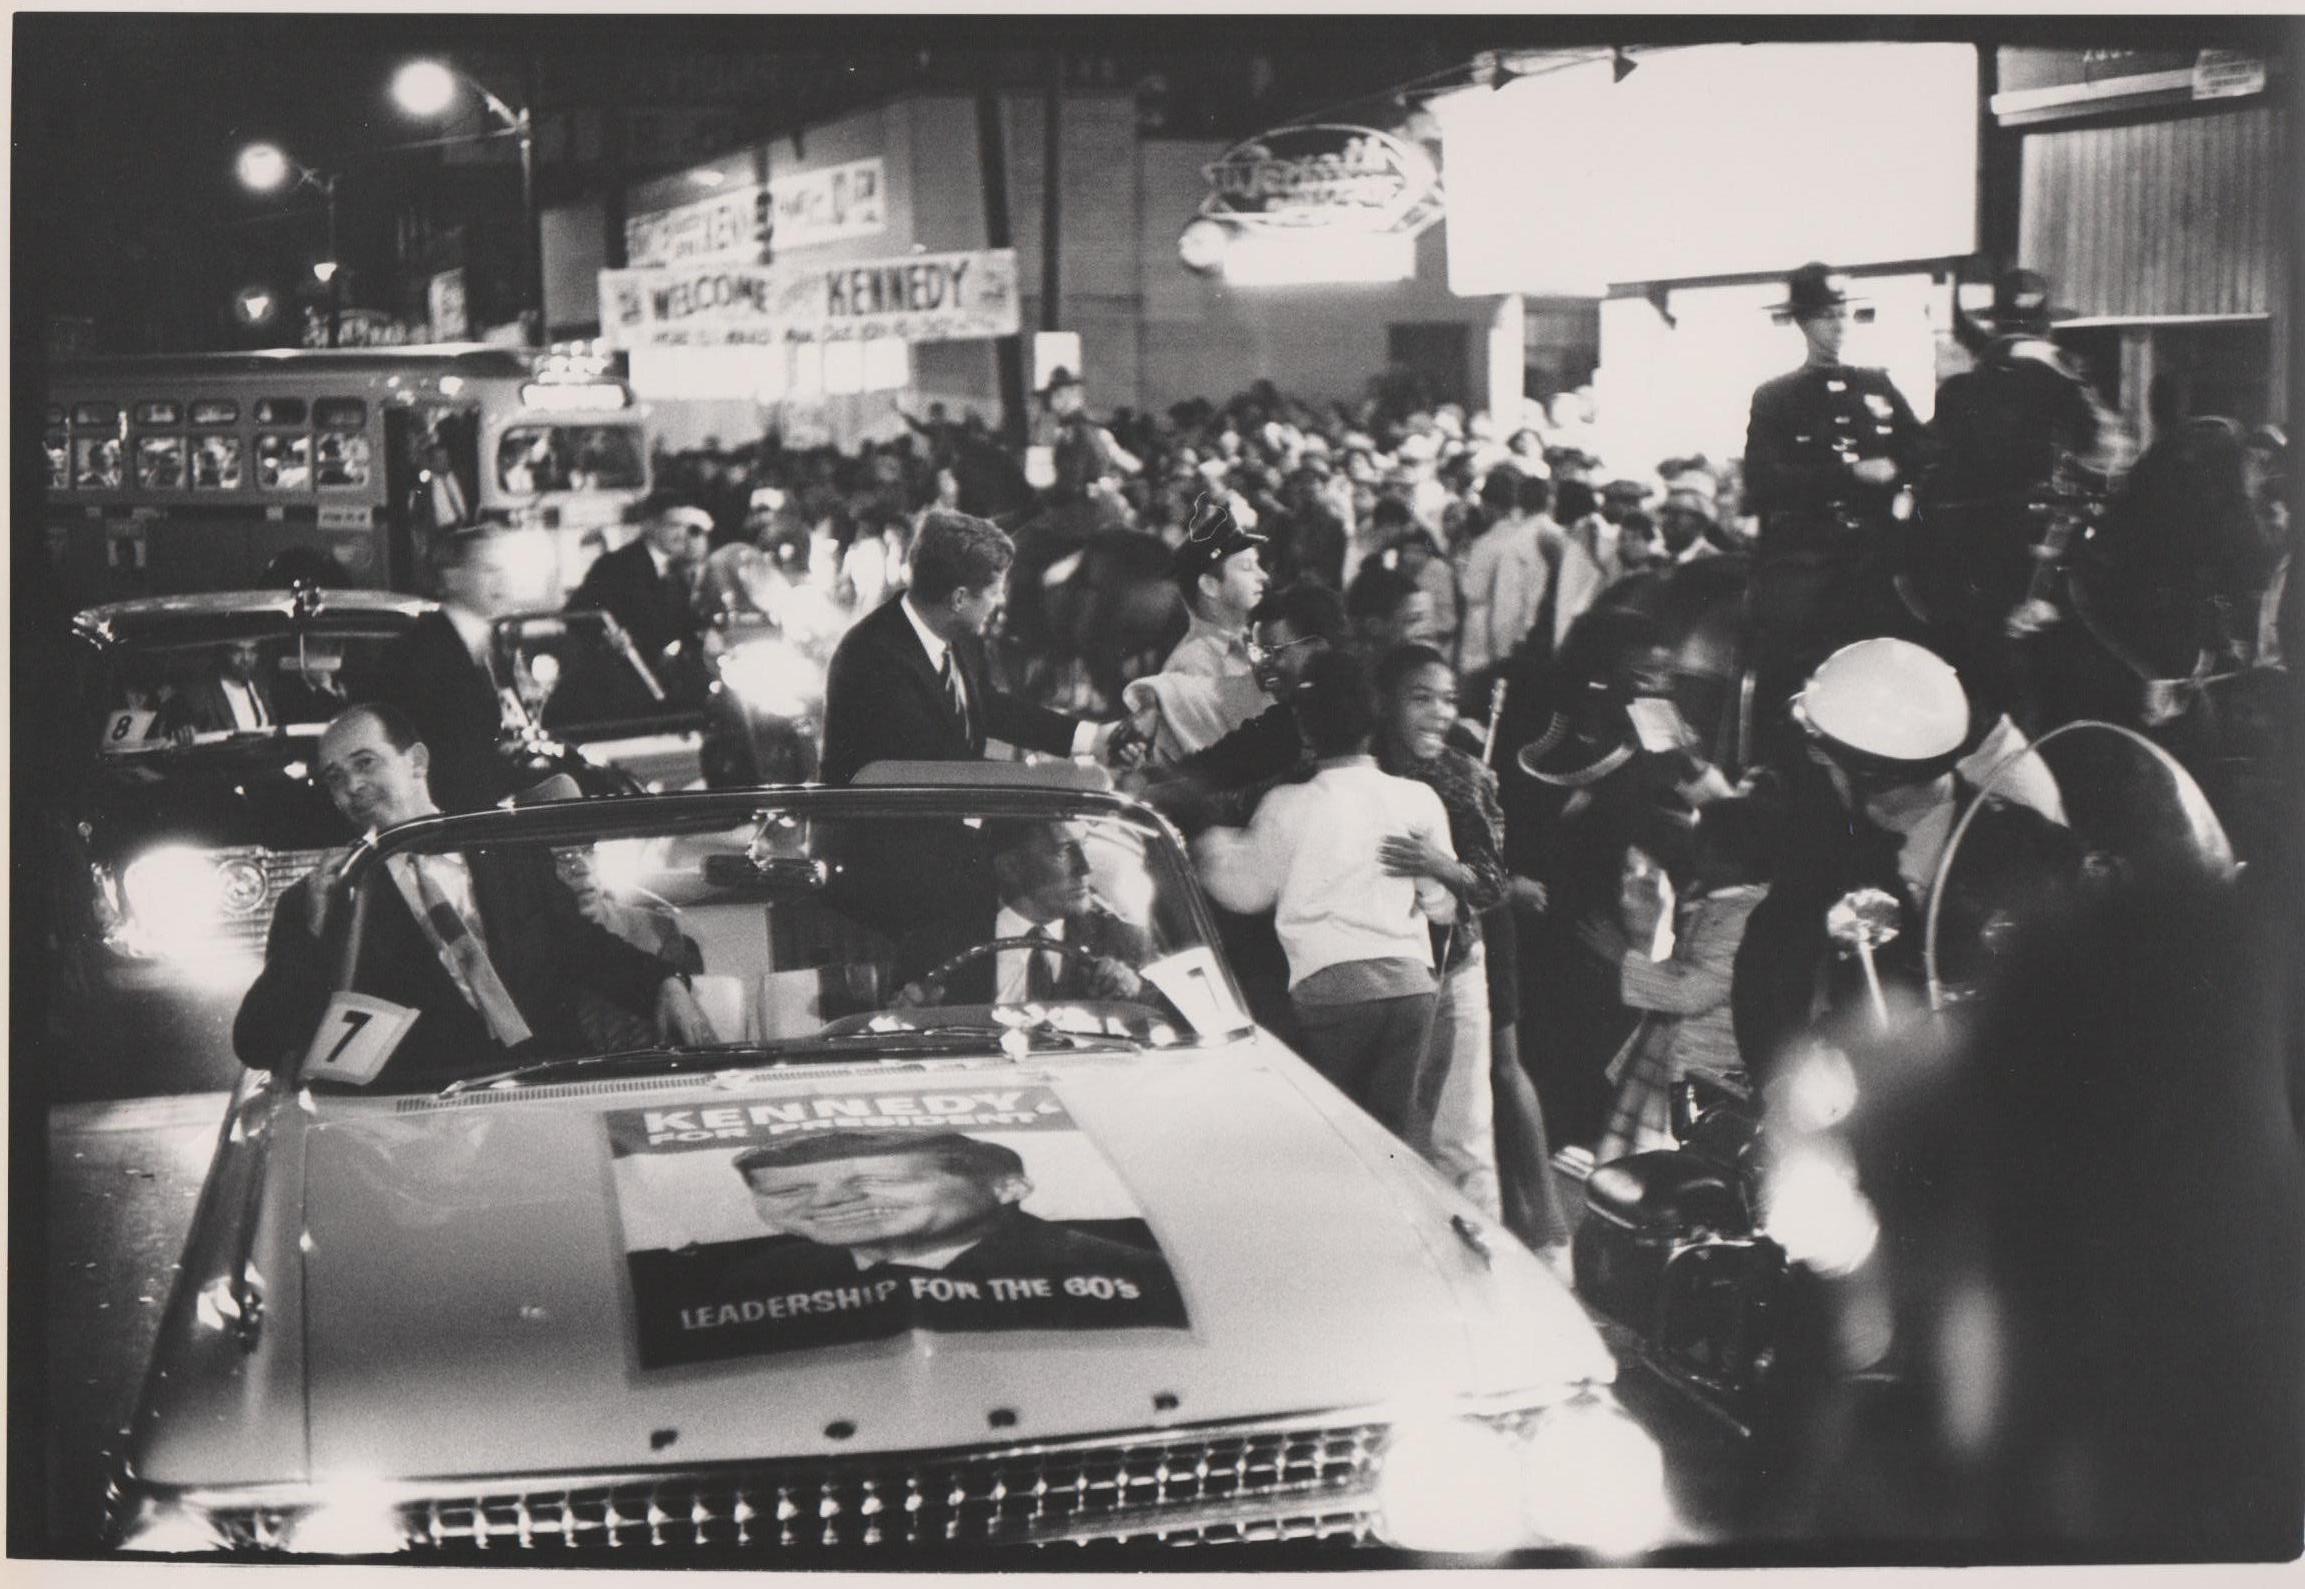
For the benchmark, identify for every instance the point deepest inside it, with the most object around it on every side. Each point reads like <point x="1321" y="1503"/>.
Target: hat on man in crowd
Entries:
<point x="671" y="502"/>
<point x="2021" y="303"/>
<point x="1632" y="493"/>
<point x="1212" y="534"/>
<point x="1815" y="289"/>
<point x="1696" y="492"/>
<point x="1058" y="378"/>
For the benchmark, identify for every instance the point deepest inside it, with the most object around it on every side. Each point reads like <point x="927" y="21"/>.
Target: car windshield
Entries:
<point x="154" y="695"/>
<point x="805" y="932"/>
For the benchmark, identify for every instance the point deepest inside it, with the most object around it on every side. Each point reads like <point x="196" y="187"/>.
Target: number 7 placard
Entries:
<point x="356" y="1037"/>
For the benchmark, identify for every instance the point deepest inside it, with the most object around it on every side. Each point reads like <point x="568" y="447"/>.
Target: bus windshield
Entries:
<point x="533" y="458"/>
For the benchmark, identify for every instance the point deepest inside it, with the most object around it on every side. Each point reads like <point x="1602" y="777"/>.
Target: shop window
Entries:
<point x="159" y="413"/>
<point x="160" y="463"/>
<point x="59" y="454"/>
<point x="283" y="459"/>
<point x="96" y="463"/>
<point x="215" y="411"/>
<point x="216" y="463"/>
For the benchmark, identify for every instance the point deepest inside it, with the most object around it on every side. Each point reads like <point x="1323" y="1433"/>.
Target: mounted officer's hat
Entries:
<point x="1886" y="708"/>
<point x="2021" y="304"/>
<point x="1815" y="289"/>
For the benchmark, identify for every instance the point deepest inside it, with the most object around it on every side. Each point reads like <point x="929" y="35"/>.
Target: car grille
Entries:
<point x="282" y="870"/>
<point x="1217" y="1488"/>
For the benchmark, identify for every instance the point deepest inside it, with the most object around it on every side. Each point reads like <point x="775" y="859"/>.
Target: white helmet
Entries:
<point x="1887" y="701"/>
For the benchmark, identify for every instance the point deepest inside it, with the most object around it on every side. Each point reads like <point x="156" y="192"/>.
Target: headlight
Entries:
<point x="175" y="893"/>
<point x="355" y="1520"/>
<point x="170" y="1527"/>
<point x="772" y="677"/>
<point x="1595" y="1478"/>
<point x="1582" y="1474"/>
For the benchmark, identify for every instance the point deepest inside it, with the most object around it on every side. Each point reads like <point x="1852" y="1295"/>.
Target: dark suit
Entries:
<point x="884" y="701"/>
<point x="653" y="608"/>
<point x="549" y="957"/>
<point x="457" y="710"/>
<point x="1096" y="931"/>
<point x="204" y="704"/>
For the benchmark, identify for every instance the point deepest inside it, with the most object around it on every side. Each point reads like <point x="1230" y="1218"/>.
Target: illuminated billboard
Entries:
<point x="1712" y="160"/>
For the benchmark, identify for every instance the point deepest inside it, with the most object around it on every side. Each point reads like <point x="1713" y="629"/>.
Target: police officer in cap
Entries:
<point x="1827" y="450"/>
<point x="2019" y="424"/>
<point x="1884" y="726"/>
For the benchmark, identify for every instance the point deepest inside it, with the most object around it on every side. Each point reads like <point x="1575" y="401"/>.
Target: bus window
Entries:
<point x="96" y="463"/>
<point x="216" y="464"/>
<point x="160" y="463"/>
<point x="284" y="460"/>
<point x="280" y="411"/>
<point x="532" y="458"/>
<point x="103" y="414"/>
<point x="159" y="413"/>
<point x="59" y="460"/>
<point x="215" y="411"/>
<point x="343" y="459"/>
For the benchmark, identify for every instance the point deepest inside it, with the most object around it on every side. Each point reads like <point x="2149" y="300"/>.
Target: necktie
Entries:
<point x="1040" y="976"/>
<point x="954" y="696"/>
<point x="467" y="959"/>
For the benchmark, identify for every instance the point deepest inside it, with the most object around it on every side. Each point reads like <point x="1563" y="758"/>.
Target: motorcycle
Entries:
<point x="1696" y="1257"/>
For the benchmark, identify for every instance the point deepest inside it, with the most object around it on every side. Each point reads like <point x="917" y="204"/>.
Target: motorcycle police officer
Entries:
<point x="1886" y="723"/>
<point x="1827" y="450"/>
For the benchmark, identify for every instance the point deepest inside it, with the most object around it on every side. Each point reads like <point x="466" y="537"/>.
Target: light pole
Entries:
<point x="266" y="168"/>
<point x="427" y="88"/>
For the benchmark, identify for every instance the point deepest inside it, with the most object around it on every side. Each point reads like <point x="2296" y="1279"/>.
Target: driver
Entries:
<point x="1884" y="723"/>
<point x="489" y="946"/>
<point x="1041" y="876"/>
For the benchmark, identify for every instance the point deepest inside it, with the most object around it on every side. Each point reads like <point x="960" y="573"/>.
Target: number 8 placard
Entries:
<point x="356" y="1037"/>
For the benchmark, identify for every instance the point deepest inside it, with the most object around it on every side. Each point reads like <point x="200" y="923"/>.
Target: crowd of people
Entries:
<point x="1505" y="890"/>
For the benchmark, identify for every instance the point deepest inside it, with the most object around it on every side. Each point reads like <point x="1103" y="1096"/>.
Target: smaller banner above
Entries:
<point x="913" y="298"/>
<point x="828" y="205"/>
<point x="727" y="228"/>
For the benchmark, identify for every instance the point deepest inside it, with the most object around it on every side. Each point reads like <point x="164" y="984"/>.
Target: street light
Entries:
<point x="426" y="89"/>
<point x="266" y="168"/>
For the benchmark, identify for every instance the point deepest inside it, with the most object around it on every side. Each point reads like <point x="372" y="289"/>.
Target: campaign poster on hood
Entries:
<point x="787" y="1220"/>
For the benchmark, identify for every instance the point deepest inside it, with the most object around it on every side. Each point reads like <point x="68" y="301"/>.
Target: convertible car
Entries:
<point x="183" y="823"/>
<point x="854" y="1175"/>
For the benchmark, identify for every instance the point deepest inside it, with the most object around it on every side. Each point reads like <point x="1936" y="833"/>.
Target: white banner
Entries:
<point x="915" y="298"/>
<point x="825" y="206"/>
<point x="725" y="228"/>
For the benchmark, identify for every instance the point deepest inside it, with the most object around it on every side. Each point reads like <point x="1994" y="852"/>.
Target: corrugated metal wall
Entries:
<point x="2162" y="218"/>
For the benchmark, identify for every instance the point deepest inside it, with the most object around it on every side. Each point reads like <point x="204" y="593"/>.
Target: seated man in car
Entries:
<point x="1043" y="891"/>
<point x="233" y="696"/>
<point x="490" y="946"/>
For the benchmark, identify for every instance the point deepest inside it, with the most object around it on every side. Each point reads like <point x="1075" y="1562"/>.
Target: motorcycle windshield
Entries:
<point x="2126" y="811"/>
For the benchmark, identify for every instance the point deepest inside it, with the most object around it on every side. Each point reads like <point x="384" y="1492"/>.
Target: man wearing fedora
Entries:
<point x="1827" y="450"/>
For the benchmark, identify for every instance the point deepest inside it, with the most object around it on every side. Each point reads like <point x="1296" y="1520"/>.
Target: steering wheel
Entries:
<point x="932" y="981"/>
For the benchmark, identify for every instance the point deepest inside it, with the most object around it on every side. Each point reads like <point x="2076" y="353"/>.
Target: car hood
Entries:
<point x="253" y="792"/>
<point x="468" y="1306"/>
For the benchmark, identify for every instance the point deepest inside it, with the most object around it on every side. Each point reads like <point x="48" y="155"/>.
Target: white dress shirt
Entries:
<point x="241" y="700"/>
<point x="1012" y="981"/>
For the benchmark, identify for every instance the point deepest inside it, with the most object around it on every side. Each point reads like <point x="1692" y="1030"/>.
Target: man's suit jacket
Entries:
<point x="455" y="706"/>
<point x="209" y="712"/>
<point x="653" y="608"/>
<point x="547" y="954"/>
<point x="1095" y="930"/>
<point x="884" y="701"/>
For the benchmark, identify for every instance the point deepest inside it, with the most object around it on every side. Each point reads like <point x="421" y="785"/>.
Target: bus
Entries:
<point x="173" y="474"/>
